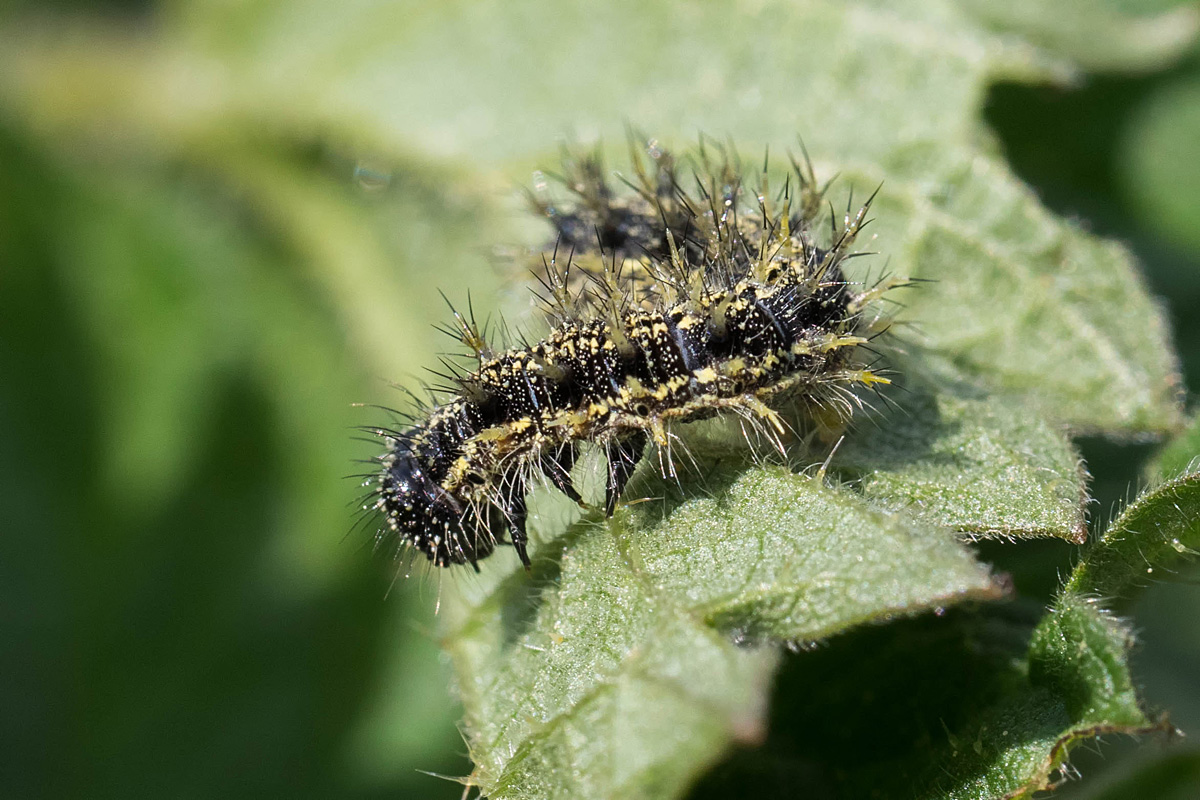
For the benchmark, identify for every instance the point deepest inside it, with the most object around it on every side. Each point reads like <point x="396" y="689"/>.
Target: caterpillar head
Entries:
<point x="418" y="511"/>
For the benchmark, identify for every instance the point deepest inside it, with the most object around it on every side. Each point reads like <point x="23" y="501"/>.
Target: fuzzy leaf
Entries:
<point x="1153" y="532"/>
<point x="987" y="706"/>
<point x="637" y="614"/>
<point x="978" y="466"/>
<point x="1020" y="302"/>
<point x="1079" y="687"/>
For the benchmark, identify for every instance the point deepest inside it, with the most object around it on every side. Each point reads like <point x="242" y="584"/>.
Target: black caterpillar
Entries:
<point x="673" y="305"/>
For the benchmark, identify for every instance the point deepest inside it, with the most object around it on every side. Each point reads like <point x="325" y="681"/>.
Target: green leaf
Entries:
<point x="975" y="465"/>
<point x="637" y="614"/>
<point x="1159" y="178"/>
<point x="1179" y="455"/>
<point x="1079" y="687"/>
<point x="174" y="367"/>
<point x="763" y="553"/>
<point x="987" y="705"/>
<point x="1157" y="165"/>
<point x="1079" y="652"/>
<point x="1153" y="532"/>
<point x="1114" y="35"/>
<point x="129" y="252"/>
<point x="1021" y="302"/>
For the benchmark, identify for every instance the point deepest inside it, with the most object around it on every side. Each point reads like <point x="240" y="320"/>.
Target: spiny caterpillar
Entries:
<point x="665" y="304"/>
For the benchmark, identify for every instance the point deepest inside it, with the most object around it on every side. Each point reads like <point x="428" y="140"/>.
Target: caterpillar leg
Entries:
<point x="557" y="467"/>
<point x="509" y="509"/>
<point x="518" y="513"/>
<point x="623" y="456"/>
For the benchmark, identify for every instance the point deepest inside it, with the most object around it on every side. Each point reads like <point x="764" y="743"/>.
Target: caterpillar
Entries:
<point x="665" y="303"/>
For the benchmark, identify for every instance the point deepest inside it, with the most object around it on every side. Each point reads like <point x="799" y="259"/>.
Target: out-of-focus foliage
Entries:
<point x="222" y="223"/>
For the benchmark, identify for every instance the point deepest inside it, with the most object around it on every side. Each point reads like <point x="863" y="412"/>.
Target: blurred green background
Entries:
<point x="191" y="299"/>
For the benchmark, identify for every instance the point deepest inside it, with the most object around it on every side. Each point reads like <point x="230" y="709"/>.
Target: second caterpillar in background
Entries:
<point x="665" y="304"/>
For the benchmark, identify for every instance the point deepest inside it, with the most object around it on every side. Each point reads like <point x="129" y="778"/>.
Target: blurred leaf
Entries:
<point x="977" y="466"/>
<point x="1173" y="775"/>
<point x="504" y="79"/>
<point x="1155" y="165"/>
<point x="175" y="415"/>
<point x="163" y="294"/>
<point x="1098" y="36"/>
<point x="613" y="675"/>
<point x="1179" y="455"/>
<point x="1158" y="161"/>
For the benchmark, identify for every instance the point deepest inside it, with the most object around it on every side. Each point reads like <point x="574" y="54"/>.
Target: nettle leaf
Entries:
<point x="1020" y="302"/>
<point x="585" y="694"/>
<point x="751" y="551"/>
<point x="1154" y="531"/>
<point x="1075" y="685"/>
<point x="1079" y="652"/>
<point x="977" y="465"/>
<point x="1070" y="682"/>
<point x="637" y="636"/>
<point x="761" y="552"/>
<point x="987" y="705"/>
